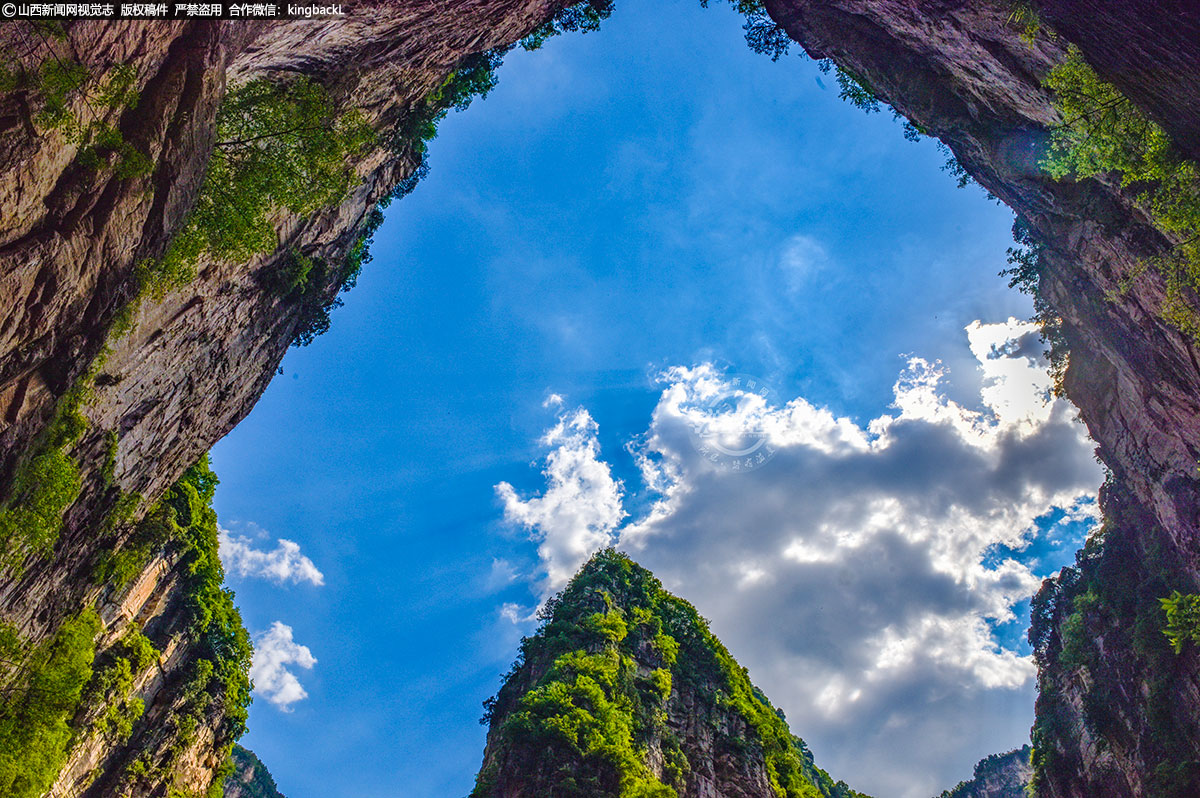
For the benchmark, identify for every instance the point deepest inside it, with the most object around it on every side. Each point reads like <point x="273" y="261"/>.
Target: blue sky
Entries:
<point x="649" y="197"/>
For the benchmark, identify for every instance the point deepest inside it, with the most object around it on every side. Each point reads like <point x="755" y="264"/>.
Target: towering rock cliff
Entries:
<point x="113" y="381"/>
<point x="624" y="691"/>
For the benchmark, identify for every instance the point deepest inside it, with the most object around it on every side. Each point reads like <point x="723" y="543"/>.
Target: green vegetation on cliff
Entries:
<point x="1123" y="589"/>
<point x="215" y="625"/>
<point x="591" y="695"/>
<point x="996" y="776"/>
<point x="217" y="682"/>
<point x="1103" y="133"/>
<point x="1183" y="619"/>
<point x="109" y="691"/>
<point x="305" y="281"/>
<point x="38" y="699"/>
<point x="47" y="481"/>
<point x="74" y="102"/>
<point x="1113" y="595"/>
<point x="279" y="146"/>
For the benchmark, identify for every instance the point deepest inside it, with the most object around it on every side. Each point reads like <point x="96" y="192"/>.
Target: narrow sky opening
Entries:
<point x="650" y="197"/>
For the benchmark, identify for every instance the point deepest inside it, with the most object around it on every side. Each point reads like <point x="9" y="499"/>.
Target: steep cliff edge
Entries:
<point x="624" y="691"/>
<point x="97" y="424"/>
<point x="114" y="380"/>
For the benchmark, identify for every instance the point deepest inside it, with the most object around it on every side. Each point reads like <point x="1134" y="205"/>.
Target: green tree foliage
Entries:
<point x="280" y="146"/>
<point x="763" y="34"/>
<point x="37" y="707"/>
<point x="111" y="685"/>
<point x="1183" y="619"/>
<point x="1103" y="133"/>
<point x="610" y="625"/>
<point x="1114" y="591"/>
<point x="47" y="481"/>
<point x="586" y="722"/>
<point x="1025" y="274"/>
<point x="584" y="17"/>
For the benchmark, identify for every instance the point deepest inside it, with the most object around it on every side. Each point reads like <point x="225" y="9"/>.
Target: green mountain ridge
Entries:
<point x="625" y="692"/>
<point x="249" y="777"/>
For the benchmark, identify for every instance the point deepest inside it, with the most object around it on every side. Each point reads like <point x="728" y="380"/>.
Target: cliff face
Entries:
<point x="188" y="365"/>
<point x="997" y="776"/>
<point x="624" y="691"/>
<point x="1116" y="719"/>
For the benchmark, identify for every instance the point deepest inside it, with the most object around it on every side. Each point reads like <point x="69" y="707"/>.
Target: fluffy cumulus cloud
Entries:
<point x="581" y="506"/>
<point x="856" y="571"/>
<point x="284" y="563"/>
<point x="275" y="653"/>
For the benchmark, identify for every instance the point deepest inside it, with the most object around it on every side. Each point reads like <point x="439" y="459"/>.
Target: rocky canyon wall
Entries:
<point x="194" y="361"/>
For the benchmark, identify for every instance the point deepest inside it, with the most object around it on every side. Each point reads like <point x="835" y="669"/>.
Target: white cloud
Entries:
<point x="1015" y="386"/>
<point x="856" y="573"/>
<point x="800" y="259"/>
<point x="502" y="574"/>
<point x="274" y="651"/>
<point x="282" y="564"/>
<point x="516" y="614"/>
<point x="581" y="506"/>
